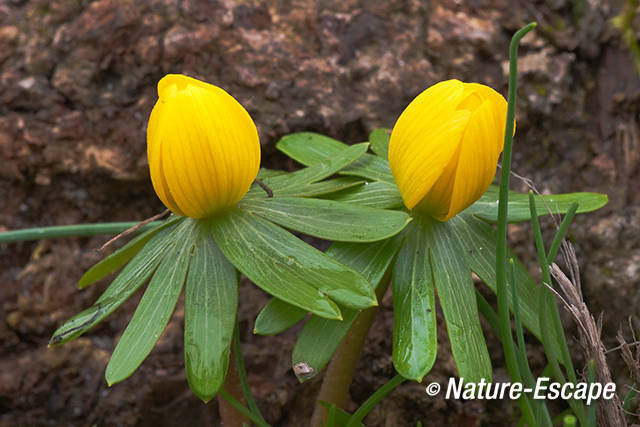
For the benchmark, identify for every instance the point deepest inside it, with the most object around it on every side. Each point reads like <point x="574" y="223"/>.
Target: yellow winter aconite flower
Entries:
<point x="202" y="146"/>
<point x="445" y="146"/>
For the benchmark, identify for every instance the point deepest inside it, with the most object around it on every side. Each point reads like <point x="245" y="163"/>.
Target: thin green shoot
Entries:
<point x="374" y="399"/>
<point x="569" y="421"/>
<point x="591" y="409"/>
<point x="562" y="231"/>
<point x="541" y="412"/>
<point x="501" y="250"/>
<point x="242" y="375"/>
<point x="628" y="399"/>
<point x="240" y="408"/>
<point x="75" y="230"/>
<point x="488" y="313"/>
<point x="331" y="416"/>
<point x="555" y="347"/>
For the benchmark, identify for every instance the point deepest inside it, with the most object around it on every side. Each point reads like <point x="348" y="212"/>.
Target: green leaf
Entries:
<point x="415" y="338"/>
<point x="276" y="317"/>
<point x="154" y="310"/>
<point x="297" y="183"/>
<point x="377" y="194"/>
<point x="269" y="173"/>
<point x="336" y="415"/>
<point x="320" y="337"/>
<point x="369" y="259"/>
<point x="478" y="240"/>
<point x="310" y="190"/>
<point x="457" y="297"/>
<point x="370" y="167"/>
<point x="132" y="276"/>
<point x="325" y="187"/>
<point x="329" y="220"/>
<point x="487" y="206"/>
<point x="287" y="184"/>
<point x="379" y="140"/>
<point x="210" y="306"/>
<point x="119" y="257"/>
<point x="288" y="268"/>
<point x="311" y="148"/>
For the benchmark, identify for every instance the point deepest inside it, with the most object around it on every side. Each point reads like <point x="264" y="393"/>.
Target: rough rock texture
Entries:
<point x="77" y="83"/>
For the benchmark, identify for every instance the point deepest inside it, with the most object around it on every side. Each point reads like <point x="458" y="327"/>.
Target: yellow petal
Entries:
<point x="500" y="106"/>
<point x="154" y="154"/>
<point x="431" y="108"/>
<point x="436" y="202"/>
<point x="478" y="157"/>
<point x="425" y="138"/>
<point x="203" y="147"/>
<point x="430" y="161"/>
<point x="175" y="170"/>
<point x="445" y="146"/>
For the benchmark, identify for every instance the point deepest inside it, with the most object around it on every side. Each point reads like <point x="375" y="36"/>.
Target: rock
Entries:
<point x="8" y="38"/>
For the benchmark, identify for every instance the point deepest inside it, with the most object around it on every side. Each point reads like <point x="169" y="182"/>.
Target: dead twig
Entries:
<point x="609" y="411"/>
<point x="632" y="362"/>
<point x="265" y="187"/>
<point x="134" y="228"/>
<point x="531" y="186"/>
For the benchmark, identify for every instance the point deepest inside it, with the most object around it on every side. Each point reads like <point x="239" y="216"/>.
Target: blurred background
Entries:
<point x="77" y="84"/>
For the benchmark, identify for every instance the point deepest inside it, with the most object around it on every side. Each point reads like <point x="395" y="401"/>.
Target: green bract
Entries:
<point x="205" y="253"/>
<point x="429" y="256"/>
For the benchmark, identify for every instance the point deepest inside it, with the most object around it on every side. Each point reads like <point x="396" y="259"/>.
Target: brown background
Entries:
<point x="77" y="84"/>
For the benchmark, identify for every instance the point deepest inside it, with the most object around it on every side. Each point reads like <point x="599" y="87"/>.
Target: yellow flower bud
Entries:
<point x="445" y="146"/>
<point x="203" y="147"/>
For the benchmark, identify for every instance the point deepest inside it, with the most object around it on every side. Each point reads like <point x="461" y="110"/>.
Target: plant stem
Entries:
<point x="562" y="231"/>
<point x="501" y="250"/>
<point x="76" y="230"/>
<point x="626" y="404"/>
<point x="237" y="405"/>
<point x="541" y="411"/>
<point x="373" y="400"/>
<point x="489" y="315"/>
<point x="591" y="409"/>
<point x="549" y="318"/>
<point x="242" y="376"/>
<point x="337" y="378"/>
<point x="229" y="414"/>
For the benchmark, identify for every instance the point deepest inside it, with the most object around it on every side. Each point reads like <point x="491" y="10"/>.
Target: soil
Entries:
<point x="77" y="86"/>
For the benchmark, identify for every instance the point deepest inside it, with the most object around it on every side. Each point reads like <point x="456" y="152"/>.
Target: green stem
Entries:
<point x="487" y="312"/>
<point x="337" y="378"/>
<point x="569" y="421"/>
<point x="562" y="231"/>
<point x="547" y="304"/>
<point x="591" y="409"/>
<point x="230" y="415"/>
<point x="492" y="318"/>
<point x="373" y="400"/>
<point x="563" y="416"/>
<point x="626" y="404"/>
<point x="547" y="297"/>
<point x="76" y="230"/>
<point x="541" y="410"/>
<point x="240" y="408"/>
<point x="501" y="250"/>
<point x="242" y="374"/>
<point x="522" y="349"/>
